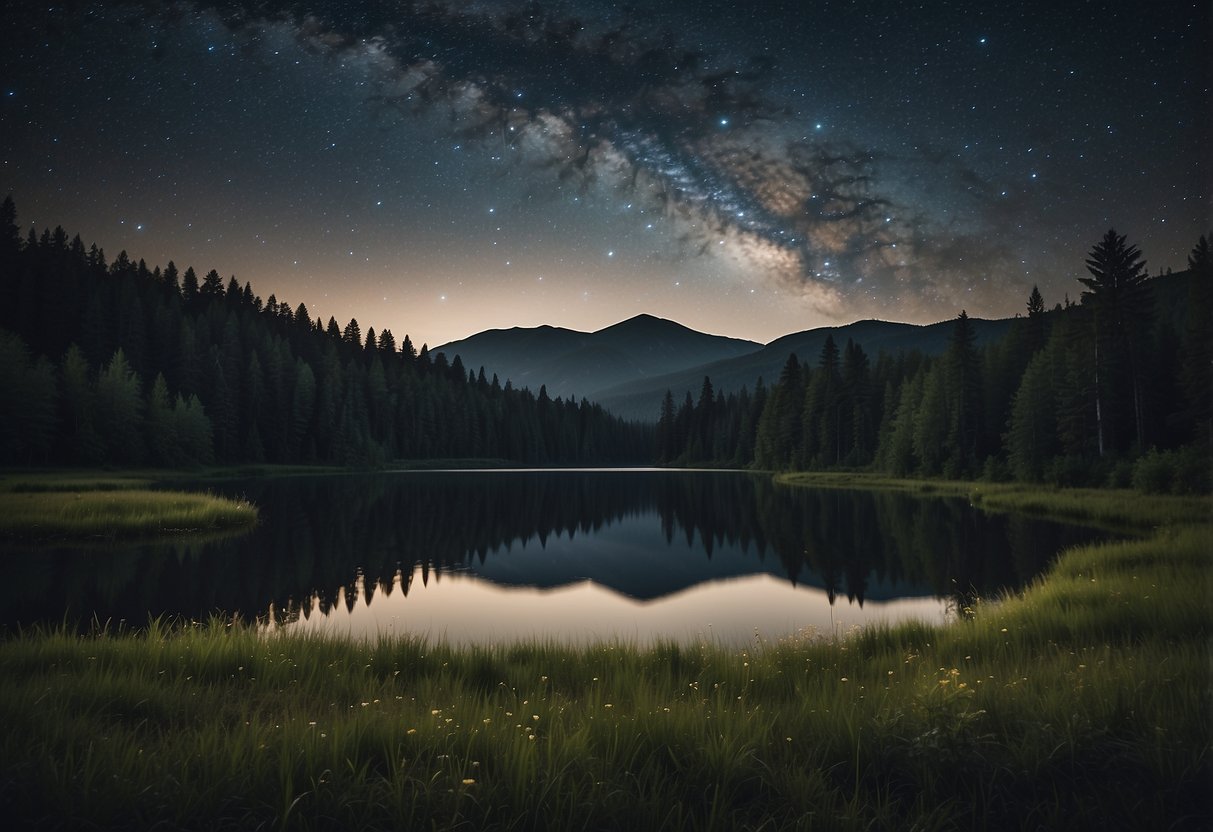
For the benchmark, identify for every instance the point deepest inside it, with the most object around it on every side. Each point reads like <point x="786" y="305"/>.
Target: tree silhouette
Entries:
<point x="1120" y="297"/>
<point x="964" y="383"/>
<point x="1196" y="370"/>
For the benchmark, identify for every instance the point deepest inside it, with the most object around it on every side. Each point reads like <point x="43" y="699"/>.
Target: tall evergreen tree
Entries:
<point x="189" y="285"/>
<point x="1121" y="300"/>
<point x="1196" y="369"/>
<point x="822" y="422"/>
<point x="212" y="285"/>
<point x="1036" y="321"/>
<point x="27" y="403"/>
<point x="666" y="449"/>
<point x="119" y="411"/>
<point x="82" y="440"/>
<point x="858" y="401"/>
<point x="963" y="368"/>
<point x="1032" y="433"/>
<point x="780" y="426"/>
<point x="162" y="438"/>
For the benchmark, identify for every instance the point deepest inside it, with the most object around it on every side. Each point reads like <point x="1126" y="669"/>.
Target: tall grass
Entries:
<point x="46" y="513"/>
<point x="1082" y="702"/>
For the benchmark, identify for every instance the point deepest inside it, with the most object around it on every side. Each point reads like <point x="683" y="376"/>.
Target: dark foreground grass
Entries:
<point x="1083" y="703"/>
<point x="82" y="507"/>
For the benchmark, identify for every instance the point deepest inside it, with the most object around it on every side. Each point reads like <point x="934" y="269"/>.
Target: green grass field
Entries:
<point x="80" y="507"/>
<point x="1083" y="702"/>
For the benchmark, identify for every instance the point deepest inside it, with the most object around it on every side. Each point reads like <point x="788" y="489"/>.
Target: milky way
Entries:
<point x="793" y="167"/>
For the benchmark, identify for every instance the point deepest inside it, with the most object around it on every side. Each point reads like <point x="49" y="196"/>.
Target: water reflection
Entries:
<point x="566" y="554"/>
<point x="461" y="609"/>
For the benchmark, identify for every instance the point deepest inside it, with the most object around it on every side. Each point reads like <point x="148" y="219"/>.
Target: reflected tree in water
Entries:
<point x="328" y="540"/>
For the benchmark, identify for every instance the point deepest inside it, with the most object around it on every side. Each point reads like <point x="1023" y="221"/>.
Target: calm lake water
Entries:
<point x="490" y="556"/>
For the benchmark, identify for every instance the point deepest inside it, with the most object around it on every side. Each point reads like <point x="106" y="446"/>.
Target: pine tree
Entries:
<point x="666" y="450"/>
<point x="171" y="280"/>
<point x="780" y="426"/>
<point x="897" y="450"/>
<point x="194" y="431"/>
<point x="862" y="416"/>
<point x="212" y="285"/>
<point x="1032" y="433"/>
<point x="1036" y="321"/>
<point x="83" y="442"/>
<point x="704" y="418"/>
<point x="119" y="413"/>
<point x="10" y="259"/>
<point x="27" y="406"/>
<point x="931" y="422"/>
<point x="963" y="369"/>
<point x="822" y="440"/>
<point x="1121" y="299"/>
<point x="162" y="439"/>
<point x="1196" y="369"/>
<point x="189" y="286"/>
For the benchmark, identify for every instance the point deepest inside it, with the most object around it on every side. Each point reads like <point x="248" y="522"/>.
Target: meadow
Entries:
<point x="1082" y="702"/>
<point x="68" y="506"/>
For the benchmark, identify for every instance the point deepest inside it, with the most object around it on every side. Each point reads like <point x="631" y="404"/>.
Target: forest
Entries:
<point x="118" y="364"/>
<point x="1114" y="390"/>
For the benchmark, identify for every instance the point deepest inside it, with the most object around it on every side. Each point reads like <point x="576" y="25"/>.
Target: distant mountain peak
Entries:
<point x="569" y="362"/>
<point x="643" y="319"/>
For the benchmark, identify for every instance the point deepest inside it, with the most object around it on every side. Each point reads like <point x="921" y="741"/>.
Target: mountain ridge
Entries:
<point x="633" y="384"/>
<point x="627" y="366"/>
<point x="582" y="364"/>
<point x="641" y="398"/>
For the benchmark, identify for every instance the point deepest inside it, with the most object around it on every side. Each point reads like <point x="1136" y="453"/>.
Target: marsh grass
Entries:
<point x="98" y="507"/>
<point x="1082" y="702"/>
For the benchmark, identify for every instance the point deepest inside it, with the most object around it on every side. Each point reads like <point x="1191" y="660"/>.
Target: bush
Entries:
<point x="1183" y="471"/>
<point x="1120" y="475"/>
<point x="1152" y="474"/>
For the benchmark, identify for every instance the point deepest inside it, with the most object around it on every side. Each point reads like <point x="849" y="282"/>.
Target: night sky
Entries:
<point x="748" y="169"/>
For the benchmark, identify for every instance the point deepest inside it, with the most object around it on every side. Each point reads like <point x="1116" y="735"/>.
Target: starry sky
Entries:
<point x="748" y="169"/>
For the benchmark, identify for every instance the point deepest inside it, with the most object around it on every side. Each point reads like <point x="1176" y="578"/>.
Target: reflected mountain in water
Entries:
<point x="646" y="535"/>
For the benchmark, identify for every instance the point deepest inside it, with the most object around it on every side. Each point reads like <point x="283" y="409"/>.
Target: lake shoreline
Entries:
<point x="1079" y="701"/>
<point x="75" y="506"/>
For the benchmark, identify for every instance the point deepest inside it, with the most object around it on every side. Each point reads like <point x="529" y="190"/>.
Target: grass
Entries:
<point x="1083" y="702"/>
<point x="1116" y="509"/>
<point x="81" y="507"/>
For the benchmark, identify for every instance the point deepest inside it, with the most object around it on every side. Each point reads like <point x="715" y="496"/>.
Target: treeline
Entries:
<point x="115" y="363"/>
<point x="1113" y="390"/>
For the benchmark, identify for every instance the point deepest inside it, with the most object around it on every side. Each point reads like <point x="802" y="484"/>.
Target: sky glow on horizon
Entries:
<point x="744" y="169"/>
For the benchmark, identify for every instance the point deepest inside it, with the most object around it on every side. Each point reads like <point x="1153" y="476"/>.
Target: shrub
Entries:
<point x="1187" y="470"/>
<point x="1152" y="474"/>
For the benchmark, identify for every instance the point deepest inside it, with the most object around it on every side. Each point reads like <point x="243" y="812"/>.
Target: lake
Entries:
<point x="568" y="555"/>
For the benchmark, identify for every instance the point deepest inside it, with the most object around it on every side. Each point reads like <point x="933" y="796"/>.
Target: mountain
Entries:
<point x="577" y="364"/>
<point x="640" y="399"/>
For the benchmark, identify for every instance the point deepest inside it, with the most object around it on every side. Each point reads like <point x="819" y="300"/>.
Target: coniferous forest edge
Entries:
<point x="122" y="364"/>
